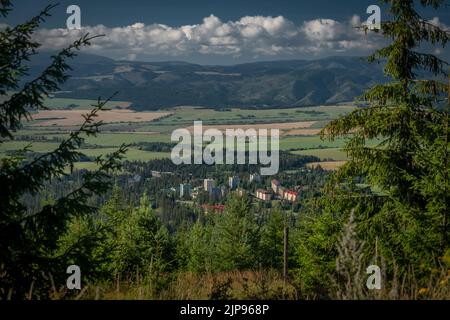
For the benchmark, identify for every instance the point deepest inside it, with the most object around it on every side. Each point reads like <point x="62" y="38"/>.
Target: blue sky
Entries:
<point x="215" y="32"/>
<point x="180" y="12"/>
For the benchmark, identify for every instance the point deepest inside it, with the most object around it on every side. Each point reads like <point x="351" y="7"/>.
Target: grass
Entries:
<point x="114" y="135"/>
<point x="324" y="154"/>
<point x="249" y="285"/>
<point x="84" y="104"/>
<point x="116" y="139"/>
<point x="320" y="124"/>
<point x="50" y="118"/>
<point x="86" y="165"/>
<point x="102" y="139"/>
<point x="35" y="146"/>
<point x="240" y="285"/>
<point x="110" y="141"/>
<point x="312" y="145"/>
<point x="326" y="165"/>
<point x="188" y="115"/>
<point x="308" y="142"/>
<point x="133" y="154"/>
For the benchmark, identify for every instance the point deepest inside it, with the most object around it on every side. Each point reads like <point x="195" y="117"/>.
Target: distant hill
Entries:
<point x="156" y="85"/>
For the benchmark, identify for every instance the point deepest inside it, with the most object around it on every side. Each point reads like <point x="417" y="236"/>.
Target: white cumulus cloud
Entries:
<point x="250" y="35"/>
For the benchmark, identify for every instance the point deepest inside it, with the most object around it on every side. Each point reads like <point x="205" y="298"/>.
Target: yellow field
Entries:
<point x="326" y="165"/>
<point x="268" y="126"/>
<point x="302" y="132"/>
<point x="74" y="117"/>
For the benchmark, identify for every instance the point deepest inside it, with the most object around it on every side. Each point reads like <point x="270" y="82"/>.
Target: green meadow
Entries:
<point x="187" y="115"/>
<point x="45" y="139"/>
<point x="324" y="154"/>
<point x="83" y="104"/>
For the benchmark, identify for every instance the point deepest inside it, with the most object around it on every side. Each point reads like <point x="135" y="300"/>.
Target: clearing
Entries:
<point x="327" y="165"/>
<point x="46" y="118"/>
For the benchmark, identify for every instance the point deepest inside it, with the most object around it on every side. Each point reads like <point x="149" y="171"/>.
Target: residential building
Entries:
<point x="233" y="182"/>
<point x="255" y="178"/>
<point x="281" y="191"/>
<point x="264" y="195"/>
<point x="290" y="195"/>
<point x="223" y="191"/>
<point x="216" y="208"/>
<point x="208" y="185"/>
<point x="215" y="193"/>
<point x="275" y="185"/>
<point x="156" y="174"/>
<point x="185" y="190"/>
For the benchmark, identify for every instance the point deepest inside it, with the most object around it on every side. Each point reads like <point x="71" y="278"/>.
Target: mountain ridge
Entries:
<point x="266" y="84"/>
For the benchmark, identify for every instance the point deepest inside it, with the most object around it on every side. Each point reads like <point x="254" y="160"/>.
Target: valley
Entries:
<point x="299" y="129"/>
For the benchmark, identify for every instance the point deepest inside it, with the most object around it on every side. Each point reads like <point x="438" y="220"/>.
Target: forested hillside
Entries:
<point x="278" y="84"/>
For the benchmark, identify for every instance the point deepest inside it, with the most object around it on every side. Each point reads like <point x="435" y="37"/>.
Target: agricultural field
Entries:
<point x="82" y="104"/>
<point x="303" y="132"/>
<point x="249" y="116"/>
<point x="133" y="154"/>
<point x="116" y="139"/>
<point x="292" y="143"/>
<point x="326" y="165"/>
<point x="283" y="126"/>
<point x="324" y="154"/>
<point x="35" y="146"/>
<point x="299" y="128"/>
<point x="47" y="118"/>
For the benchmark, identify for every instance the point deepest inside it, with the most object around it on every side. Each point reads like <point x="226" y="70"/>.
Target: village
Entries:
<point x="211" y="196"/>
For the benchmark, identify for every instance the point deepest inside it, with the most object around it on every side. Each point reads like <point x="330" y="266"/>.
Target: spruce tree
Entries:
<point x="408" y="117"/>
<point x="29" y="242"/>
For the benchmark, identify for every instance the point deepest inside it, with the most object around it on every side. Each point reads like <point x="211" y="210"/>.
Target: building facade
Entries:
<point x="208" y="185"/>
<point x="233" y="182"/>
<point x="185" y="190"/>
<point x="290" y="195"/>
<point x="255" y="178"/>
<point x="264" y="195"/>
<point x="275" y="185"/>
